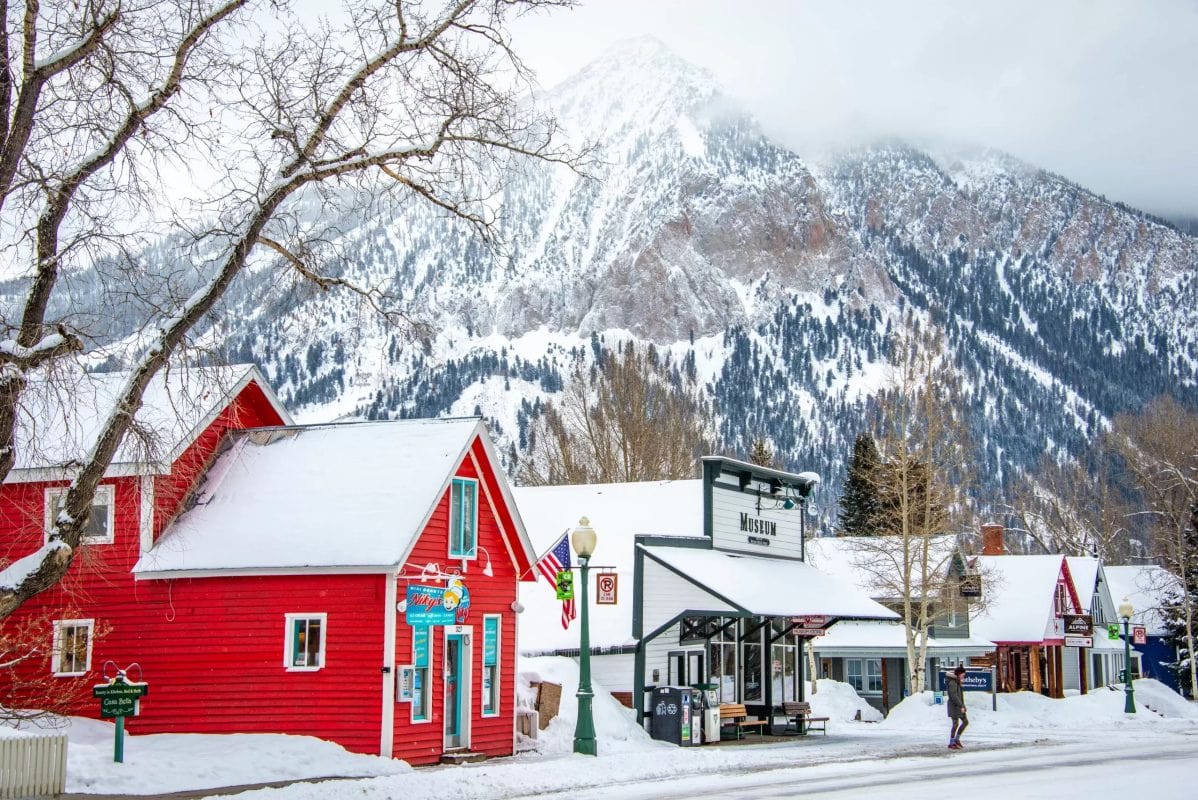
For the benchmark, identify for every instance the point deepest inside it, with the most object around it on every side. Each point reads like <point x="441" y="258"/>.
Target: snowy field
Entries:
<point x="1009" y="752"/>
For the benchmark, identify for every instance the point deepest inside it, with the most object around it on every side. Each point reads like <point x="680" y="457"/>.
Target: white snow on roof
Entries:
<point x="773" y="587"/>
<point x="890" y="636"/>
<point x="1084" y="571"/>
<point x="348" y="495"/>
<point x="617" y="512"/>
<point x="62" y="416"/>
<point x="1148" y="588"/>
<point x="1018" y="592"/>
<point x="850" y="559"/>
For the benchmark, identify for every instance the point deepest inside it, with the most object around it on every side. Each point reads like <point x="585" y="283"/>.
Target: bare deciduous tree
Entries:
<point x="631" y="422"/>
<point x="921" y="481"/>
<point x="1160" y="448"/>
<point x="104" y="106"/>
<point x="1070" y="509"/>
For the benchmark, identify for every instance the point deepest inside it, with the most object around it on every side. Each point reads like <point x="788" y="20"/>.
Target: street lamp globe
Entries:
<point x="583" y="538"/>
<point x="1125" y="609"/>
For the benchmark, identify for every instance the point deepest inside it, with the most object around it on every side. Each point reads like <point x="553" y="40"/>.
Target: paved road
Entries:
<point x="1053" y="772"/>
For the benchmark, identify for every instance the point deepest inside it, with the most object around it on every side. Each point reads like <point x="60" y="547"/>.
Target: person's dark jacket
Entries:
<point x="956" y="703"/>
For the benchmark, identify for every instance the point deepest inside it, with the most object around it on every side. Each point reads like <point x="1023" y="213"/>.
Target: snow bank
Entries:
<point x="163" y="763"/>
<point x="1156" y="704"/>
<point x="841" y="702"/>
<point x="615" y="725"/>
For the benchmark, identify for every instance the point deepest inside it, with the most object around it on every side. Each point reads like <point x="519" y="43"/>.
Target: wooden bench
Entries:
<point x="800" y="715"/>
<point x="735" y="714"/>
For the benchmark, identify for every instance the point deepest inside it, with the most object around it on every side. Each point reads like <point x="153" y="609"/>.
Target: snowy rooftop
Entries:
<point x="1084" y="571"/>
<point x="857" y="559"/>
<point x="63" y="416"/>
<point x="1147" y="588"/>
<point x="617" y="512"/>
<point x="1018" y="592"/>
<point x="772" y="587"/>
<point x="890" y="636"/>
<point x="349" y="495"/>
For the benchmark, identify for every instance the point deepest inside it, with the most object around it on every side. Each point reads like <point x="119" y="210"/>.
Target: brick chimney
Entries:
<point x="992" y="540"/>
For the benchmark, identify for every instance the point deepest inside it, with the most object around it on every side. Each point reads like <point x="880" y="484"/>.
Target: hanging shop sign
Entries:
<point x="1139" y="634"/>
<point x="1079" y="641"/>
<point x="808" y="632"/>
<point x="437" y="605"/>
<point x="1078" y="624"/>
<point x="971" y="586"/>
<point x="565" y="585"/>
<point x="607" y="587"/>
<point x="811" y="621"/>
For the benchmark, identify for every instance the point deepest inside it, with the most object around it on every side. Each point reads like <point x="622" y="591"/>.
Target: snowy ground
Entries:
<point x="1010" y="751"/>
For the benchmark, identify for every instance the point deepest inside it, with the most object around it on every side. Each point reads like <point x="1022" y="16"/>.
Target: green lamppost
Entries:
<point x="1125" y="611"/>
<point x="583" y="538"/>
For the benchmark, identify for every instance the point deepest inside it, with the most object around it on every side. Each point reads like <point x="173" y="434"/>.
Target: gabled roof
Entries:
<point x="859" y="559"/>
<point x="1148" y="588"/>
<point x="1019" y="593"/>
<point x="62" y="416"/>
<point x="350" y="496"/>
<point x="769" y="587"/>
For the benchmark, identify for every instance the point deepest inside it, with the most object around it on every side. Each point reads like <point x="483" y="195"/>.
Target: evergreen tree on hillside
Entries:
<point x="860" y="504"/>
<point x="761" y="454"/>
<point x="1182" y="605"/>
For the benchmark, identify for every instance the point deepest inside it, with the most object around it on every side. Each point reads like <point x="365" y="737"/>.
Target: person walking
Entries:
<point x="956" y="706"/>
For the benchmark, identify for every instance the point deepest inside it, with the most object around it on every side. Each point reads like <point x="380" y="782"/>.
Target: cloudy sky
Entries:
<point x="1103" y="92"/>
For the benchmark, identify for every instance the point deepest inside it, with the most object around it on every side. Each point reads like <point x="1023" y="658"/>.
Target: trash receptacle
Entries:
<point x="670" y="707"/>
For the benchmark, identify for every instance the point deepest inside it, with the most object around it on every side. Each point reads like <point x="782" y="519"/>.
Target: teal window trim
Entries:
<point x="463" y="518"/>
<point x="491" y="678"/>
<point x="422" y="690"/>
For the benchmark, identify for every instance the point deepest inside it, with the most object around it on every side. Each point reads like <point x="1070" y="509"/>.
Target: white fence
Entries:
<point x="31" y="766"/>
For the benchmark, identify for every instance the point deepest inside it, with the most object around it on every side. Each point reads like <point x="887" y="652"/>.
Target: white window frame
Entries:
<point x="472" y="554"/>
<point x="497" y="688"/>
<point x="60" y="625"/>
<point x="105" y="493"/>
<point x="848" y="673"/>
<point x="868" y="677"/>
<point x="289" y="641"/>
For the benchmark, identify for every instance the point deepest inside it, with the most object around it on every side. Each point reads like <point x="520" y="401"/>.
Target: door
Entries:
<point x="457" y="688"/>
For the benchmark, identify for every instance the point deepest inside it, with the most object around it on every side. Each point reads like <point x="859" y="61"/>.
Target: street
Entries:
<point x="1097" y="768"/>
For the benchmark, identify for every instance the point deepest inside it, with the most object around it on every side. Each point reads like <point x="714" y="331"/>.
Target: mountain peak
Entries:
<point x="633" y="77"/>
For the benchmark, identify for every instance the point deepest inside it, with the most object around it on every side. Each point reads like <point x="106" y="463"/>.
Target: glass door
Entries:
<point x="457" y="690"/>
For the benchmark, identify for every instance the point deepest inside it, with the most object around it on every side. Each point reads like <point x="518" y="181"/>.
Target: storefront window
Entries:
<point x="752" y="676"/>
<point x="723" y="661"/>
<point x="785" y="668"/>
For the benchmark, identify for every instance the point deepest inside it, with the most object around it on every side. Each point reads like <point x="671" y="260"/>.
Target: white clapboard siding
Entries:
<point x="33" y="766"/>
<point x="665" y="593"/>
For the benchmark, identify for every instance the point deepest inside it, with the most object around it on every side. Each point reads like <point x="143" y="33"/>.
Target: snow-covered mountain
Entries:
<point x="775" y="279"/>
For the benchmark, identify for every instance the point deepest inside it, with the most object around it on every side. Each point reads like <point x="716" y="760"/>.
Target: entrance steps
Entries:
<point x="463" y="757"/>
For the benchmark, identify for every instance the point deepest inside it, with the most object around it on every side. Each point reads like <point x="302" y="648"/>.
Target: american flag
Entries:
<point x="555" y="561"/>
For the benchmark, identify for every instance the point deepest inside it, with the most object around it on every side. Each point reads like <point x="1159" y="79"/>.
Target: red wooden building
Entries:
<point x="270" y="592"/>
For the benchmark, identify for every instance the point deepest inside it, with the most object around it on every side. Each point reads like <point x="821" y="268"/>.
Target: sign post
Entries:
<point x="119" y="698"/>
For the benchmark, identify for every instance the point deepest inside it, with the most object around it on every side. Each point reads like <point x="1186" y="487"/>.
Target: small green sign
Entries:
<point x="565" y="585"/>
<point x="1112" y="632"/>
<point x="118" y="698"/>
